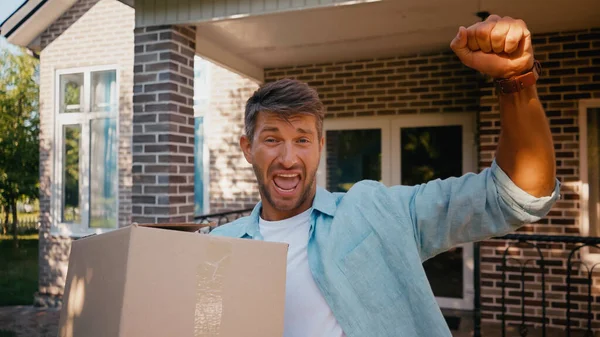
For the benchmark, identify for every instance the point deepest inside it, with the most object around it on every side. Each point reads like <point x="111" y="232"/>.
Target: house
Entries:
<point x="142" y="108"/>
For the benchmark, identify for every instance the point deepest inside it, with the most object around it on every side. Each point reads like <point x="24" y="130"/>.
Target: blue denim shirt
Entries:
<point x="366" y="246"/>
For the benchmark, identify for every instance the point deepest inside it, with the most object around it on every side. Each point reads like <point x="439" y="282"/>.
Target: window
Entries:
<point x="86" y="186"/>
<point x="201" y="158"/>
<point x="589" y="140"/>
<point x="352" y="155"/>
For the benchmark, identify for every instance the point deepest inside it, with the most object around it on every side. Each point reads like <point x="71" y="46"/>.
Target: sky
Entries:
<point x="6" y="9"/>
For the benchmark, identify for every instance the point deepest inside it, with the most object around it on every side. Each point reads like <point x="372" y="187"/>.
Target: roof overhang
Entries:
<point x="376" y="29"/>
<point x="24" y="26"/>
<point x="130" y="3"/>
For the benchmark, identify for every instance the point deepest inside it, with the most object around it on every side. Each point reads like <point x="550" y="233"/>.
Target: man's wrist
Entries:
<point x="515" y="84"/>
<point x="518" y="99"/>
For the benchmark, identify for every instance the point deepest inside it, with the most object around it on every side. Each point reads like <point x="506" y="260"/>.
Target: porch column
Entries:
<point x="163" y="125"/>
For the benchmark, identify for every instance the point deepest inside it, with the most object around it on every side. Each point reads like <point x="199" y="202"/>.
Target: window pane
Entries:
<point x="430" y="152"/>
<point x="199" y="166"/>
<point x="71" y="210"/>
<point x="71" y="93"/>
<point x="104" y="178"/>
<point x="104" y="91"/>
<point x="593" y="159"/>
<point x="352" y="155"/>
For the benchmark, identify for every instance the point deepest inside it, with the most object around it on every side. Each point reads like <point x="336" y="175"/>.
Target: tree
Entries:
<point x="19" y="131"/>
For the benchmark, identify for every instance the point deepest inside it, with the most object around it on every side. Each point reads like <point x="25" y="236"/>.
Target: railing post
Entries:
<point x="477" y="300"/>
<point x="569" y="297"/>
<point x="503" y="291"/>
<point x="590" y="276"/>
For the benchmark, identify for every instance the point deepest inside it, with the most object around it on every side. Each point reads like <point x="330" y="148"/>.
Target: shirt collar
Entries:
<point x="324" y="202"/>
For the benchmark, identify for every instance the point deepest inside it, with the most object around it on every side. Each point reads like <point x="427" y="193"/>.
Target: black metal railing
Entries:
<point x="537" y="243"/>
<point x="222" y="218"/>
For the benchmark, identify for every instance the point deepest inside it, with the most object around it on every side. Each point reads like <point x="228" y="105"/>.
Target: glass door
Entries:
<point x="407" y="150"/>
<point x="427" y="148"/>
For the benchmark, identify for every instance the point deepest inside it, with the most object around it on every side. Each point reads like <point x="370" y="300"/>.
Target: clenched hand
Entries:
<point x="498" y="47"/>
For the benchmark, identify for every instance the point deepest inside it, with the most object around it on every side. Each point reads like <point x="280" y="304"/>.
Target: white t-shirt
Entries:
<point x="306" y="311"/>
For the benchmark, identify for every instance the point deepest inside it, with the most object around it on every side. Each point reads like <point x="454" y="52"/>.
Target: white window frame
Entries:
<point x="82" y="119"/>
<point x="204" y="92"/>
<point x="390" y="168"/>
<point x="584" y="223"/>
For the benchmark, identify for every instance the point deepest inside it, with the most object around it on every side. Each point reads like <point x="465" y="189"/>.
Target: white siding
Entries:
<point x="160" y="12"/>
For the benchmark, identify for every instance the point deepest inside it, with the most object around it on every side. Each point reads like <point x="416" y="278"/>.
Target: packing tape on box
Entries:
<point x="210" y="278"/>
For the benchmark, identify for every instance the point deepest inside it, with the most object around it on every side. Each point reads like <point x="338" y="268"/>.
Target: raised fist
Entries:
<point x="498" y="47"/>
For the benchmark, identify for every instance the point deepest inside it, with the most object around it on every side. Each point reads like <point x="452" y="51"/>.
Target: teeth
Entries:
<point x="288" y="175"/>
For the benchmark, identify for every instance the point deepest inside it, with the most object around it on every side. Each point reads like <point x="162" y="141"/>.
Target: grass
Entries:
<point x="6" y="333"/>
<point x="19" y="270"/>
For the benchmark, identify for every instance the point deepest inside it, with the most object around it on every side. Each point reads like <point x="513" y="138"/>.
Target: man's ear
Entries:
<point x="246" y="146"/>
<point x="321" y="143"/>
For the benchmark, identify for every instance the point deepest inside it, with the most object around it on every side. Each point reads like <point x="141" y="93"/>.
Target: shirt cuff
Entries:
<point x="528" y="208"/>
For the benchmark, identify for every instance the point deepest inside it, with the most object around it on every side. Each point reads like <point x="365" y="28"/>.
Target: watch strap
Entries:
<point x="518" y="83"/>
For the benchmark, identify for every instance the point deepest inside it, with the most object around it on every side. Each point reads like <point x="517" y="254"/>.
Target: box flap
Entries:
<point x="183" y="227"/>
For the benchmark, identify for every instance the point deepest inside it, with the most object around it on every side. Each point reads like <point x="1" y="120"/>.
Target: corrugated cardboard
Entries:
<point x="142" y="282"/>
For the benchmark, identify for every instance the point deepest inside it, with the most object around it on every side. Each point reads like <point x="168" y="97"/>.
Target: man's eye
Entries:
<point x="270" y="140"/>
<point x="304" y="140"/>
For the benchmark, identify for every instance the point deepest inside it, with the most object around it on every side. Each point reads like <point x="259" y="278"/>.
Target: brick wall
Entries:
<point x="440" y="84"/>
<point x="232" y="184"/>
<point x="91" y="33"/>
<point x="421" y="84"/>
<point x="163" y="133"/>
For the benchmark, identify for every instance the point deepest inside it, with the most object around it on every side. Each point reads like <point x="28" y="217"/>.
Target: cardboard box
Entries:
<point x="141" y="281"/>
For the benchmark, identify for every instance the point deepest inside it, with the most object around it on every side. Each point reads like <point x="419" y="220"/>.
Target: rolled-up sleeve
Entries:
<point x="517" y="205"/>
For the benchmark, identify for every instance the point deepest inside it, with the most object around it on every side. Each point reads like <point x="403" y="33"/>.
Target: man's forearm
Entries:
<point x="525" y="149"/>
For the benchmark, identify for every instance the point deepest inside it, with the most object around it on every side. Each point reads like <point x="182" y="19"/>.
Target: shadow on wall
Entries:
<point x="232" y="181"/>
<point x="125" y="155"/>
<point x="53" y="251"/>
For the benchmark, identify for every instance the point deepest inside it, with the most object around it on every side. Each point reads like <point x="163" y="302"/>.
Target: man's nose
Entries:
<point x="288" y="157"/>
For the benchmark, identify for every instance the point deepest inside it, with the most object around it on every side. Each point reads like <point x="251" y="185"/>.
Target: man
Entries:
<point x="355" y="258"/>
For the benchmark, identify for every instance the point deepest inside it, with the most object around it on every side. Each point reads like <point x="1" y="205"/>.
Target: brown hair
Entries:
<point x="284" y="97"/>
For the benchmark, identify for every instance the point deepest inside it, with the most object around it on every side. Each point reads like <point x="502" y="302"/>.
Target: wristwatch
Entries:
<point x="520" y="82"/>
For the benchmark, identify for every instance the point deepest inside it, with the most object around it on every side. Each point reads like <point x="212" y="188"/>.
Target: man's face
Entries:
<point x="285" y="156"/>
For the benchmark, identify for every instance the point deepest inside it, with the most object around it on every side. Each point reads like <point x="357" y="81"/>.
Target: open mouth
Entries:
<point x="286" y="182"/>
